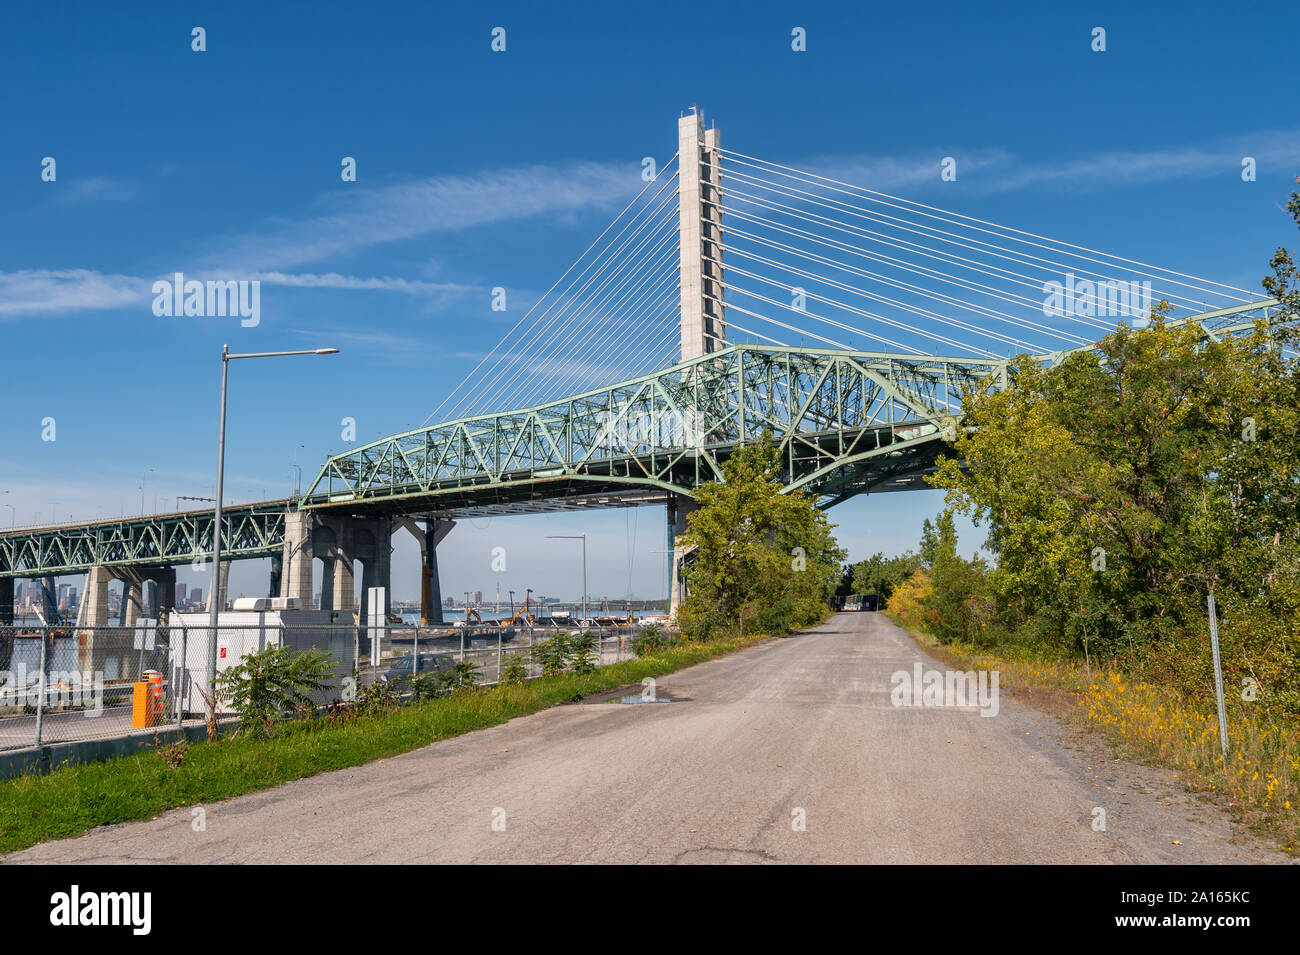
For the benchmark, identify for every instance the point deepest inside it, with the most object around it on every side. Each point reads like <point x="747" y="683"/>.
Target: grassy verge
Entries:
<point x="70" y="800"/>
<point x="1259" y="782"/>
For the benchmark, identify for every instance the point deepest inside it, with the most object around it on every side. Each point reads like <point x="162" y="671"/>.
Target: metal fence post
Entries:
<point x="462" y="643"/>
<point x="178" y="678"/>
<point x="40" y="688"/>
<point x="1218" y="676"/>
<point x="415" y="652"/>
<point x="499" y="632"/>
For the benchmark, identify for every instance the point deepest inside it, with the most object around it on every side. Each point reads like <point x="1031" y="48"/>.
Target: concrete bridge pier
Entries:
<point x="277" y="571"/>
<point x="132" y="608"/>
<point x="224" y="576"/>
<point x="50" y="600"/>
<point x="339" y="542"/>
<point x="343" y="578"/>
<point x="428" y="537"/>
<point x="296" y="558"/>
<point x="161" y="595"/>
<point x="94" y="598"/>
<point x="679" y="508"/>
<point x="376" y="571"/>
<point x="430" y="582"/>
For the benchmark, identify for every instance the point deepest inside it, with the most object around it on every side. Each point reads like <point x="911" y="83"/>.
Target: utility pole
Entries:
<point x="583" y="538"/>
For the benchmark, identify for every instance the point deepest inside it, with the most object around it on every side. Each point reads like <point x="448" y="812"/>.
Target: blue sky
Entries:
<point x="479" y="169"/>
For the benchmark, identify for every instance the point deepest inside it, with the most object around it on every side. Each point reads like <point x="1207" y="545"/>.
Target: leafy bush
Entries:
<point x="375" y="698"/>
<point x="650" y="640"/>
<point x="582" y="652"/>
<point x="514" y="668"/>
<point x="269" y="684"/>
<point x="552" y="654"/>
<point x="462" y="676"/>
<point x="424" y="685"/>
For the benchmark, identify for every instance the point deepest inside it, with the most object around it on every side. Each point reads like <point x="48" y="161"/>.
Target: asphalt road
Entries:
<point x="720" y="775"/>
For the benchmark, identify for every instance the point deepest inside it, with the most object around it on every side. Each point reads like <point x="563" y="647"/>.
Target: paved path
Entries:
<point x="804" y="723"/>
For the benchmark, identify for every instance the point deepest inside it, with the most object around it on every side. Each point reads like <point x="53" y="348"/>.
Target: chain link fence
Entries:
<point x="65" y="684"/>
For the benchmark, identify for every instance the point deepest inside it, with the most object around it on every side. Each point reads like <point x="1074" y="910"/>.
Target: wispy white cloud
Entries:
<point x="993" y="171"/>
<point x="342" y="224"/>
<point x="384" y="283"/>
<point x="46" y="291"/>
<point x="352" y="220"/>
<point x="96" y="189"/>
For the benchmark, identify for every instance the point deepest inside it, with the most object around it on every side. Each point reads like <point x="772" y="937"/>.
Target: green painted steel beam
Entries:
<point x="161" y="540"/>
<point x="671" y="429"/>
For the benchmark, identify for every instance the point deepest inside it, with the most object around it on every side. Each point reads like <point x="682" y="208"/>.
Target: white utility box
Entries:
<point x="241" y="631"/>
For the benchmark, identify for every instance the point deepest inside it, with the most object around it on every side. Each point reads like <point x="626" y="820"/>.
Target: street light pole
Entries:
<point x="144" y="478"/>
<point x="583" y="538"/>
<point x="214" y="593"/>
<point x="297" y="471"/>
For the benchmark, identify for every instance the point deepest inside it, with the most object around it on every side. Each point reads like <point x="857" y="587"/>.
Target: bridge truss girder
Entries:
<point x="160" y="540"/>
<point x="843" y="421"/>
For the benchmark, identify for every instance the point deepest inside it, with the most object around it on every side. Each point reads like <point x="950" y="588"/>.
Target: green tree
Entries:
<point x="879" y="576"/>
<point x="763" y="559"/>
<point x="1122" y="484"/>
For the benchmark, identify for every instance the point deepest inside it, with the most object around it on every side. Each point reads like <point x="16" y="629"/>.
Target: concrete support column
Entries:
<point x="277" y="571"/>
<point x="163" y="598"/>
<point x="295" y="577"/>
<point x="345" y="586"/>
<point x="132" y="602"/>
<point x="94" y="600"/>
<point x="377" y="566"/>
<point x="224" y="576"/>
<point x="326" y="581"/>
<point x="430" y="584"/>
<point x="6" y="601"/>
<point x="679" y="508"/>
<point x="50" y="600"/>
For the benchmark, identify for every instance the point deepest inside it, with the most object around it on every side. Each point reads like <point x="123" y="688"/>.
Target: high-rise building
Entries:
<point x="196" y="596"/>
<point x="180" y="594"/>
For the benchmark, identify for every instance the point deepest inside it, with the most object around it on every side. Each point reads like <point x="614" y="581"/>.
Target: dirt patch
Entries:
<point x="1055" y="702"/>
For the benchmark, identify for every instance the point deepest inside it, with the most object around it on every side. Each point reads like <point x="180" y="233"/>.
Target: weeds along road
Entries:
<point x="720" y="775"/>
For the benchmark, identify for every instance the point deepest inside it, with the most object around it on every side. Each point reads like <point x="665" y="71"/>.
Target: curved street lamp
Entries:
<point x="214" y="594"/>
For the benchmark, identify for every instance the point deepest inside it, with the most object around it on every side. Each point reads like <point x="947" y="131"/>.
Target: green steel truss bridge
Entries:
<point x="733" y="298"/>
<point x="156" y="540"/>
